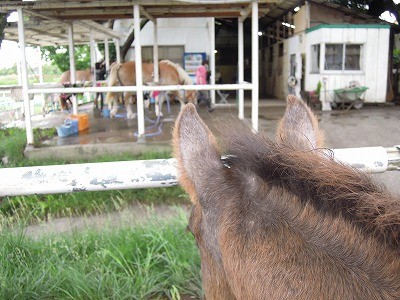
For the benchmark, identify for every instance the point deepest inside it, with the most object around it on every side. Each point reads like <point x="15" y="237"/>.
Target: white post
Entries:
<point x="93" y="56"/>
<point x="254" y="65"/>
<point x="41" y="79"/>
<point x="240" y="68"/>
<point x="106" y="54"/>
<point x="138" y="64"/>
<point x="117" y="50"/>
<point x="155" y="52"/>
<point x="92" y="61"/>
<point x="72" y="68"/>
<point x="71" y="53"/>
<point x="211" y="28"/>
<point x="21" y="37"/>
<point x="19" y="73"/>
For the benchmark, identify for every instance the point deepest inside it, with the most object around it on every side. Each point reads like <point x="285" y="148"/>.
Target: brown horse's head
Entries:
<point x="281" y="219"/>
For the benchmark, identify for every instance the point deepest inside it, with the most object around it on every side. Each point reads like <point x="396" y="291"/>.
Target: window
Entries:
<point x="173" y="53"/>
<point x="343" y="57"/>
<point x="353" y="57"/>
<point x="315" y="58"/>
<point x="334" y="57"/>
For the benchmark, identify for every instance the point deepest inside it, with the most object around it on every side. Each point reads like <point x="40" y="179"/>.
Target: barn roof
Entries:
<point x="47" y="20"/>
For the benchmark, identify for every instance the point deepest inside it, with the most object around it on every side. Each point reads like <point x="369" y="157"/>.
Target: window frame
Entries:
<point x="322" y="59"/>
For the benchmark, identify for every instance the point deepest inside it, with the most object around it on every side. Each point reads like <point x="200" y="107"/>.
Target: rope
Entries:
<point x="158" y="122"/>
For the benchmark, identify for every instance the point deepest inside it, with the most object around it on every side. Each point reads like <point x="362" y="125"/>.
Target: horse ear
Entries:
<point x="299" y="126"/>
<point x="196" y="151"/>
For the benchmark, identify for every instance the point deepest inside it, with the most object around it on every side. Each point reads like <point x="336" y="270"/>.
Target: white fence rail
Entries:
<point x="150" y="173"/>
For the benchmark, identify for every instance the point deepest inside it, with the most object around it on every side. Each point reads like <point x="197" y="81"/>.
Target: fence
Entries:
<point x="151" y="173"/>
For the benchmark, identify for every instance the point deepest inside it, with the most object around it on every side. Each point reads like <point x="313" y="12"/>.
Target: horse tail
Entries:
<point x="112" y="81"/>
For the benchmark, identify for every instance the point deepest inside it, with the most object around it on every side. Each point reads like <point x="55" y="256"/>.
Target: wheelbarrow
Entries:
<point x="351" y="96"/>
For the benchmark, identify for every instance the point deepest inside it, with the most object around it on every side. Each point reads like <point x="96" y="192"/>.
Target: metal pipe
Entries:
<point x="254" y="65"/>
<point x="211" y="30"/>
<point x="87" y="177"/>
<point x="246" y="86"/>
<point x="151" y="173"/>
<point x="72" y="69"/>
<point x="240" y="68"/>
<point x="24" y="77"/>
<point x="138" y="65"/>
<point x="106" y="54"/>
<point x="155" y="51"/>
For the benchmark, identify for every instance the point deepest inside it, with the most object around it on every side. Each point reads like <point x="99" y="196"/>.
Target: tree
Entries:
<point x="372" y="7"/>
<point x="3" y="23"/>
<point x="59" y="55"/>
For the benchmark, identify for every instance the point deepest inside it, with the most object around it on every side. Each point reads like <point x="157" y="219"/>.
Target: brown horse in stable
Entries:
<point x="283" y="220"/>
<point x="124" y="74"/>
<point x="81" y="76"/>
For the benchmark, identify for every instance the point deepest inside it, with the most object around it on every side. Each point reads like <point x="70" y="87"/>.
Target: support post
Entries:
<point x="41" y="79"/>
<point x="138" y="65"/>
<point x="117" y="50"/>
<point x="240" y="68"/>
<point x="155" y="52"/>
<point x="72" y="68"/>
<point x="211" y="29"/>
<point x="106" y="54"/>
<point x="24" y="79"/>
<point x="92" y="62"/>
<point x="254" y="65"/>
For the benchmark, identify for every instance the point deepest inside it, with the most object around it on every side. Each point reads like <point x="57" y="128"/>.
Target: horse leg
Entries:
<point x="159" y="103"/>
<point x="129" y="113"/>
<point x="113" y="107"/>
<point x="181" y="100"/>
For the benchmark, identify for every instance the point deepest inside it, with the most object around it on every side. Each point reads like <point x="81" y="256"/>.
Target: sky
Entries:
<point x="9" y="51"/>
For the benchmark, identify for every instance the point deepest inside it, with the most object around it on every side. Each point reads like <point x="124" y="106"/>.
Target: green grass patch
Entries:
<point x="158" y="260"/>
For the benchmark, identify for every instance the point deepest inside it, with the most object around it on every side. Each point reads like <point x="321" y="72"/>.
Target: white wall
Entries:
<point x="192" y="33"/>
<point x="375" y="43"/>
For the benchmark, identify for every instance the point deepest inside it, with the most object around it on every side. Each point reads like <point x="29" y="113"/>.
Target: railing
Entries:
<point x="151" y="173"/>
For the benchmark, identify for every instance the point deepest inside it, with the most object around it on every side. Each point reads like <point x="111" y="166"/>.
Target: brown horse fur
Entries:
<point x="283" y="220"/>
<point x="80" y="75"/>
<point x="124" y="74"/>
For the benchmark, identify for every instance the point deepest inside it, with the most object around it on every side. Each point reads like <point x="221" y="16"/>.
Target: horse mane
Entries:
<point x="184" y="78"/>
<point x="315" y="178"/>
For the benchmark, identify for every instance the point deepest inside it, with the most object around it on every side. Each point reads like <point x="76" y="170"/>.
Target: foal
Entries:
<point x="281" y="219"/>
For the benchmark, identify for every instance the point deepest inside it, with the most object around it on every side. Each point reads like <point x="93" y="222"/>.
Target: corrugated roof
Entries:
<point x="49" y="20"/>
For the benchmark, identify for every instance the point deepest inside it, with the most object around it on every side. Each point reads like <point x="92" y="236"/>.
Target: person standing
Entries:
<point x="201" y="78"/>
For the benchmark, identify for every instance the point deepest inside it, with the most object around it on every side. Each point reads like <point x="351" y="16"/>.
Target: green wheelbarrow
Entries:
<point x="353" y="97"/>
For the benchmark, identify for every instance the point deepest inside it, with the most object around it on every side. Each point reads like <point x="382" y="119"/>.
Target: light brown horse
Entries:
<point x="281" y="219"/>
<point x="125" y="74"/>
<point x="80" y="75"/>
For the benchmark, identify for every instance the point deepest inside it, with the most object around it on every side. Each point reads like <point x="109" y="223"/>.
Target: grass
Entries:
<point x="13" y="79"/>
<point x="155" y="260"/>
<point x="42" y="207"/>
<point x="158" y="260"/>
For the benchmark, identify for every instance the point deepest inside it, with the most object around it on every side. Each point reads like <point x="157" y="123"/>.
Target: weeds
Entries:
<point x="152" y="261"/>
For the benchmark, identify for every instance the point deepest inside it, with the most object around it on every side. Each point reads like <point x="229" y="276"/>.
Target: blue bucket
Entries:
<point x="70" y="127"/>
<point x="106" y="113"/>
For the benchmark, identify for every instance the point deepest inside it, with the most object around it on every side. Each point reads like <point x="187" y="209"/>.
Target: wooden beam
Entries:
<point x="107" y="31"/>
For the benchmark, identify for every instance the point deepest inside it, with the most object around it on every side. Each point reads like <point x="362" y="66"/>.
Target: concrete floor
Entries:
<point x="372" y="125"/>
